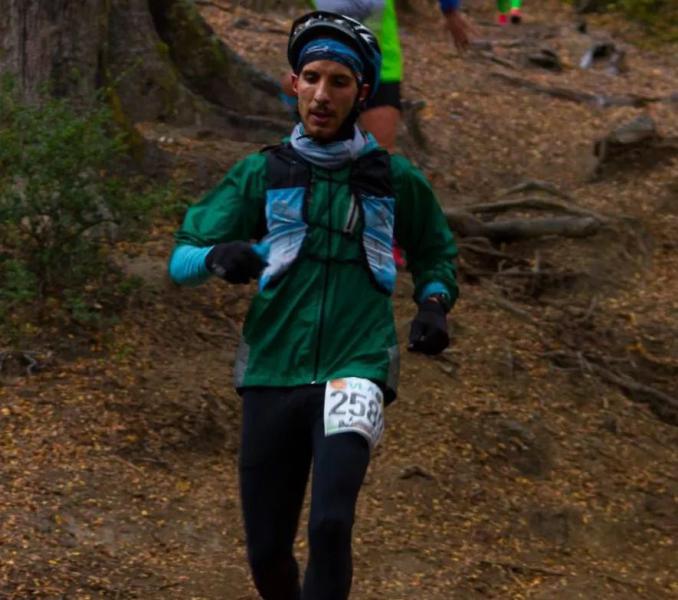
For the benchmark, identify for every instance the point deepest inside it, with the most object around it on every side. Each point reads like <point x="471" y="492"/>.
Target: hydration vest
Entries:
<point x="290" y="188"/>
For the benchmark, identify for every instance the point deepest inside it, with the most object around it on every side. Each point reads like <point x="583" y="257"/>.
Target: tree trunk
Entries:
<point x="155" y="60"/>
<point x="53" y="42"/>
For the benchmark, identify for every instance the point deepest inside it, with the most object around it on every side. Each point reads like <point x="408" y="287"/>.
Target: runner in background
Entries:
<point x="382" y="114"/>
<point x="509" y="10"/>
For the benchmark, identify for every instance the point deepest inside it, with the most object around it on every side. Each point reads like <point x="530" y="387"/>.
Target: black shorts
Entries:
<point x="388" y="94"/>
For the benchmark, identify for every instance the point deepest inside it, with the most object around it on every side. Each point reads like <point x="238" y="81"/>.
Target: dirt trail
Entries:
<point x="501" y="474"/>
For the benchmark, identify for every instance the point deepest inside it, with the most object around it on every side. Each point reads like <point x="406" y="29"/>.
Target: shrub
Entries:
<point x="63" y="198"/>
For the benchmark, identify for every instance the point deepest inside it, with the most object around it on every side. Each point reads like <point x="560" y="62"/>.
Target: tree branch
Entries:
<point x="664" y="405"/>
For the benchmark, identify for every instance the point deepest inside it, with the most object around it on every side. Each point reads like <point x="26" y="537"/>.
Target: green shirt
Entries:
<point x="385" y="28"/>
<point x="383" y="23"/>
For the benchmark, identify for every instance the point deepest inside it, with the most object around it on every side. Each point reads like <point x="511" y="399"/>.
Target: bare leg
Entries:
<point x="286" y="84"/>
<point x="382" y="122"/>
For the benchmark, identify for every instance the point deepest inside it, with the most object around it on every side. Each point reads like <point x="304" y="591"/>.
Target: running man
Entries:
<point x="318" y="358"/>
<point x="382" y="113"/>
<point x="509" y="10"/>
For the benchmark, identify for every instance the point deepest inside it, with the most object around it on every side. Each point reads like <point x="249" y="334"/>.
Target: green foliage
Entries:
<point x="63" y="199"/>
<point x="174" y="203"/>
<point x="19" y="284"/>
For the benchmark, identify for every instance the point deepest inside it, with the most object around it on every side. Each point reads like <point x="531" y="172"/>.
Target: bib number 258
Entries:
<point x="354" y="404"/>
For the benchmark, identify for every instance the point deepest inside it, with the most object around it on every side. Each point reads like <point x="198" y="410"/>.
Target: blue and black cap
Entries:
<point x="323" y="35"/>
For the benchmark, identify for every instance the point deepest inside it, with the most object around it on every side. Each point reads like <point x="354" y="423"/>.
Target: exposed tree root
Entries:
<point x="599" y="100"/>
<point x="636" y="142"/>
<point x="523" y="568"/>
<point x="516" y="277"/>
<point x="534" y="203"/>
<point x="511" y="230"/>
<point x="491" y="56"/>
<point x="213" y="4"/>
<point x="498" y="300"/>
<point x="483" y="247"/>
<point x="579" y="222"/>
<point x="26" y="358"/>
<point x="661" y="403"/>
<point x="534" y="185"/>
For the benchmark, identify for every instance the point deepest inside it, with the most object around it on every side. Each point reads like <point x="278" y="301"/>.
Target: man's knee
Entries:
<point x="382" y="122"/>
<point x="330" y="531"/>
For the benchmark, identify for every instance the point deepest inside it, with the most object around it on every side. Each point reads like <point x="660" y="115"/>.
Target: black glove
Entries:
<point x="428" y="333"/>
<point x="236" y="262"/>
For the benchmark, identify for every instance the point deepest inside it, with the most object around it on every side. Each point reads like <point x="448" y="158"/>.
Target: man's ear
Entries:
<point x="295" y="82"/>
<point x="364" y="92"/>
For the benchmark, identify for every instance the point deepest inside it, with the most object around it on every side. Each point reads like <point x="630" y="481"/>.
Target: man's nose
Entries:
<point x="321" y="92"/>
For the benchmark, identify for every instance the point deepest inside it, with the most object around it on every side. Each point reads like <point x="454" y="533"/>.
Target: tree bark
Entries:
<point x="52" y="42"/>
<point x="155" y="60"/>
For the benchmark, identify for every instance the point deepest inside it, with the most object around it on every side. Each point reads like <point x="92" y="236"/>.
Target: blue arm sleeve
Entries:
<point x="448" y="5"/>
<point x="434" y="287"/>
<point x="187" y="265"/>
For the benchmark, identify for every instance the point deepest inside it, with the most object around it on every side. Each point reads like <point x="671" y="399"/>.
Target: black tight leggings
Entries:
<point x="282" y="432"/>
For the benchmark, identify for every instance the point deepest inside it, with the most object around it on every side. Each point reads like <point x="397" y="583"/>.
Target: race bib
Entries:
<point x="354" y="404"/>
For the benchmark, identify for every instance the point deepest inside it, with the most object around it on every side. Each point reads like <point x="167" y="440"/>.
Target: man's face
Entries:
<point x="326" y="92"/>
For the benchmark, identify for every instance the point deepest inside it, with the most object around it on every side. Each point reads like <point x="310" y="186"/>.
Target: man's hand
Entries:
<point x="236" y="262"/>
<point x="460" y="29"/>
<point x="428" y="333"/>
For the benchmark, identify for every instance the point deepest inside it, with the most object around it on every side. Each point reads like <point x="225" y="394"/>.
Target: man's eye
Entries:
<point x="310" y="77"/>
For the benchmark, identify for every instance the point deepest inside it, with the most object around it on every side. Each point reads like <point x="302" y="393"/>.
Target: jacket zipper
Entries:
<point x="325" y="281"/>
